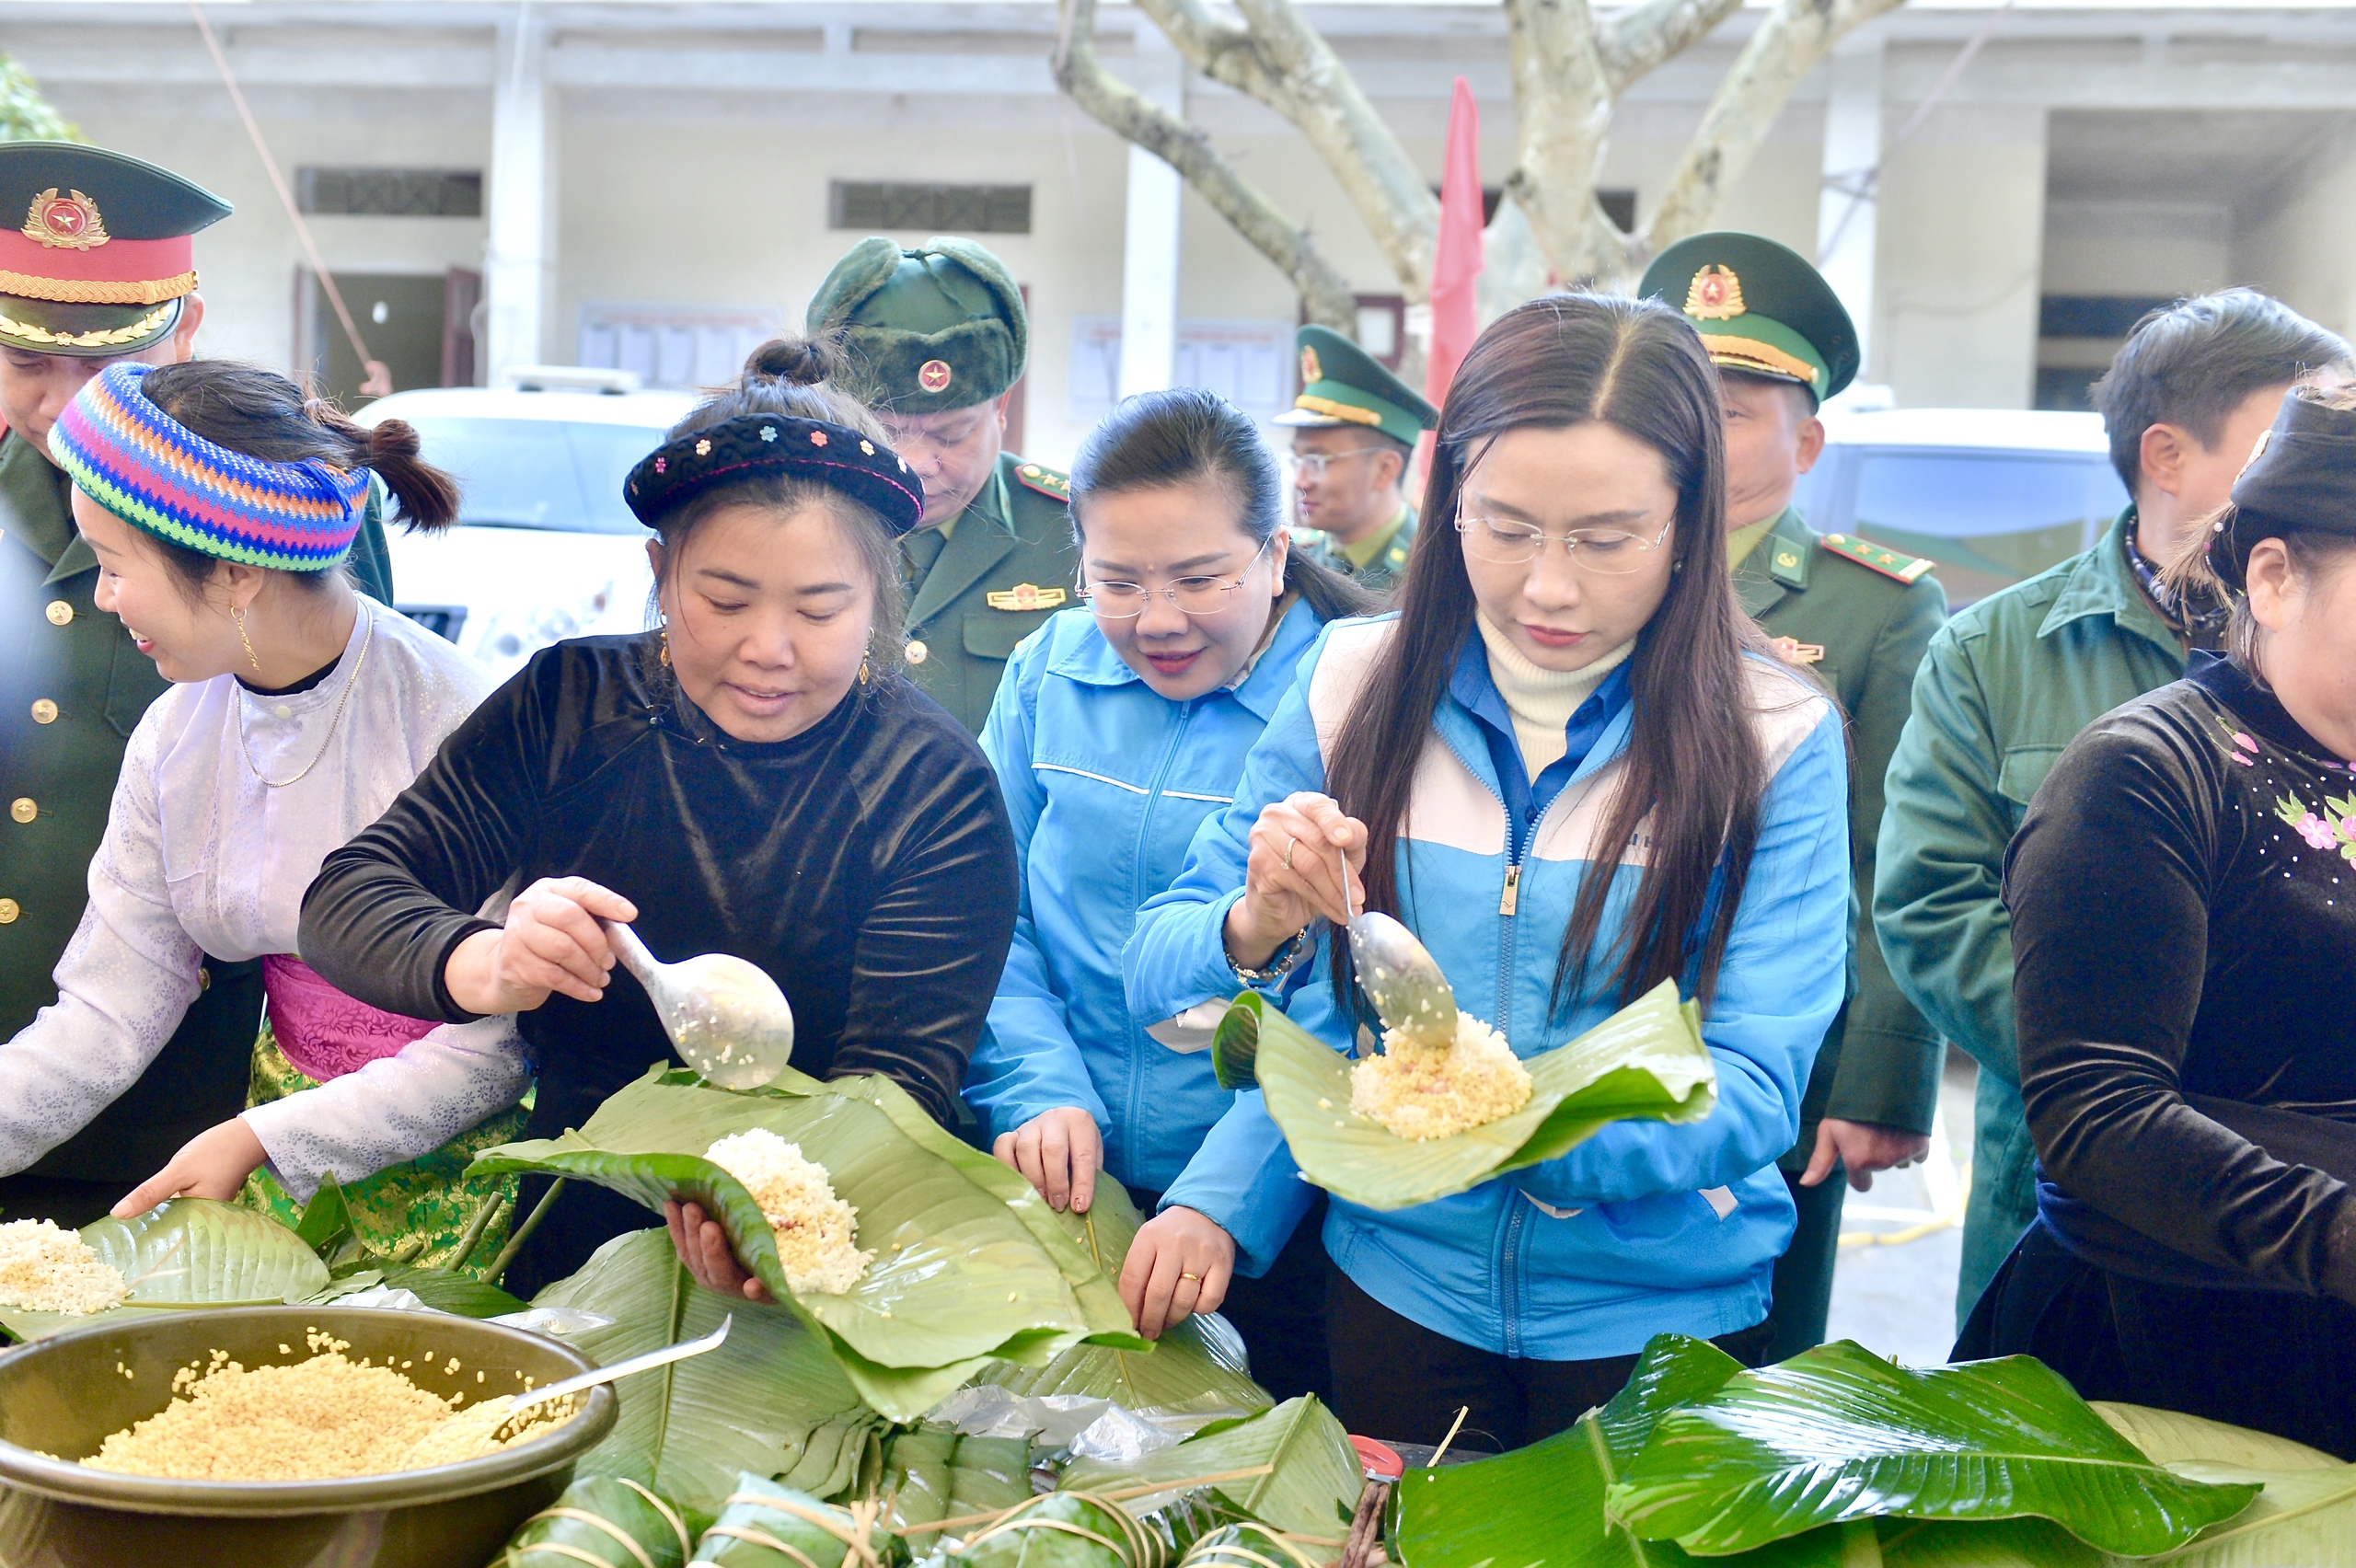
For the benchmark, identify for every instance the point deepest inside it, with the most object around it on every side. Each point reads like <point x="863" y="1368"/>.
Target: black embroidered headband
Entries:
<point x="2302" y="477"/>
<point x="859" y="466"/>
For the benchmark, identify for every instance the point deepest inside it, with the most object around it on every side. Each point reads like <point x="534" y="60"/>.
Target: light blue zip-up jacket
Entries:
<point x="1106" y="781"/>
<point x="1643" y="1228"/>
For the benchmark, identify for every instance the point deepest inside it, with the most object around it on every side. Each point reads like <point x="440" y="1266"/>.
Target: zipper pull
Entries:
<point x="1513" y="891"/>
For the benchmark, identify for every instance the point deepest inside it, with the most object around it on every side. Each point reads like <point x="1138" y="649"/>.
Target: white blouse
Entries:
<point x="202" y="855"/>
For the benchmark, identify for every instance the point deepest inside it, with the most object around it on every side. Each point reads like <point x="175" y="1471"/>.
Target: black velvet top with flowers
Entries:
<point x="2183" y="895"/>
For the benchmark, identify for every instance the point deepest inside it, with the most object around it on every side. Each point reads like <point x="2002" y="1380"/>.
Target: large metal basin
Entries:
<point x="64" y="1396"/>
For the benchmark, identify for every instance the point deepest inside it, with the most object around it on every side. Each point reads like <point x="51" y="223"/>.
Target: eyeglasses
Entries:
<point x="1196" y="596"/>
<point x="1310" y="466"/>
<point x="1607" y="550"/>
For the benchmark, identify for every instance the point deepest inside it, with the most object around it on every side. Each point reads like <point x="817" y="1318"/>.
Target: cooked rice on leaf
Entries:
<point x="813" y="1227"/>
<point x="1421" y="1094"/>
<point x="43" y="1269"/>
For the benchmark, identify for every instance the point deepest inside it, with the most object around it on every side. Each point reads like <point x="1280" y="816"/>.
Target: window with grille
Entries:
<point x="929" y="209"/>
<point x="390" y="192"/>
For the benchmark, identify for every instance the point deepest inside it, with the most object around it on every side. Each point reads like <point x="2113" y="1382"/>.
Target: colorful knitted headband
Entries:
<point x="154" y="473"/>
<point x="859" y="466"/>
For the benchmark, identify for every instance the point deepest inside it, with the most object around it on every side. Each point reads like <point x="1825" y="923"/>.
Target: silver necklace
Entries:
<point x="326" y="740"/>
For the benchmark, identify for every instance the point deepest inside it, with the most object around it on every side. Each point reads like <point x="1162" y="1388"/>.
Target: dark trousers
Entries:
<point x="1804" y="1274"/>
<point x="2267" y="1360"/>
<point x="1394" y="1379"/>
<point x="1281" y="1315"/>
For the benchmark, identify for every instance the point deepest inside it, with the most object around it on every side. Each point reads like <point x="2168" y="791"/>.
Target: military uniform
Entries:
<point x="73" y="685"/>
<point x="1858" y="618"/>
<point x="1343" y="385"/>
<point x="927" y="331"/>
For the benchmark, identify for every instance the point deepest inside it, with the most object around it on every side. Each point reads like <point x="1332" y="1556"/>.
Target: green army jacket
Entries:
<point x="1860" y="626"/>
<point x="1008" y="565"/>
<point x="72" y="690"/>
<point x="2005" y="685"/>
<point x="1384" y="573"/>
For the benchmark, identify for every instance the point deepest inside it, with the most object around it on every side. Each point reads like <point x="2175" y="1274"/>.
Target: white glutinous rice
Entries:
<point x="43" y="1269"/>
<point x="813" y="1227"/>
<point x="1416" y="1093"/>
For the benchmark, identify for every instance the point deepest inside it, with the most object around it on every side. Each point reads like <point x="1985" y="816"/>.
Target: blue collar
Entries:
<point x="1081" y="654"/>
<point x="1526" y="799"/>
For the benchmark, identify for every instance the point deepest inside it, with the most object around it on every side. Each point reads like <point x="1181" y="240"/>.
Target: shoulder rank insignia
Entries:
<point x="1026" y="596"/>
<point x="1043" y="479"/>
<point x="1792" y="650"/>
<point x="1890" y="564"/>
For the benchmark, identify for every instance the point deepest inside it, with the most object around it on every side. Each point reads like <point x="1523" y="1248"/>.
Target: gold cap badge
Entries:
<point x="1311" y="370"/>
<point x="933" y="375"/>
<point x="1716" y="294"/>
<point x="65" y="223"/>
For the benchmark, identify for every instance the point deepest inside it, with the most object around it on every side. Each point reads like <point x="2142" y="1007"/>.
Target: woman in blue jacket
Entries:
<point x="1572" y="767"/>
<point x="1116" y="729"/>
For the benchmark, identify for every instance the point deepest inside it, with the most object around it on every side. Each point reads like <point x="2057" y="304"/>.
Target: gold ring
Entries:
<point x="1290" y="844"/>
<point x="1195" y="1277"/>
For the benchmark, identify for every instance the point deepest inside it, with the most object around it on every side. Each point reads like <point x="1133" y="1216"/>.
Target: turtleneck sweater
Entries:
<point x="1541" y="700"/>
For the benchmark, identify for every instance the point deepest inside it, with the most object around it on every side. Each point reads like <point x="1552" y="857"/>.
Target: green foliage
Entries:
<point x="768" y="1526"/>
<point x="599" y="1520"/>
<point x="1291" y="1466"/>
<point x="189" y="1253"/>
<point x="967" y="1268"/>
<point x="25" y="115"/>
<point x="931" y="1474"/>
<point x="1647" y="1060"/>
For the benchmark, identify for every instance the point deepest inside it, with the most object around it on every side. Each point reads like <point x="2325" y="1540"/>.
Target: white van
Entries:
<point x="1994" y="495"/>
<point x="544" y="546"/>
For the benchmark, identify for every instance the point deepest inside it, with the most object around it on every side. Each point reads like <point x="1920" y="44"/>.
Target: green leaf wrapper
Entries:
<point x="189" y="1252"/>
<point x="764" y="1524"/>
<point x="1291" y="1466"/>
<point x="1645" y="1061"/>
<point x="599" y="1521"/>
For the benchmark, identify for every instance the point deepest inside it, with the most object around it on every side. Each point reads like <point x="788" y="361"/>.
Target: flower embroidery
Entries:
<point x="817" y="438"/>
<point x="703" y="448"/>
<point x="768" y="433"/>
<point x="661" y="464"/>
<point x="2315" y="831"/>
<point x="868" y="447"/>
<point x="2245" y="743"/>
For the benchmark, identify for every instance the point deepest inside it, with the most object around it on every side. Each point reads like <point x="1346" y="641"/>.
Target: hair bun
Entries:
<point x="392" y="438"/>
<point x="802" y="362"/>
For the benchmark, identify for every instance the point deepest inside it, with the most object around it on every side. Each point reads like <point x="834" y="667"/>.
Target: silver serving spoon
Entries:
<point x="590" y="1379"/>
<point x="1409" y="992"/>
<point x="725" y="1015"/>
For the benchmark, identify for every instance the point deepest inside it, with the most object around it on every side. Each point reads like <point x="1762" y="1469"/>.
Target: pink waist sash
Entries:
<point x="323" y="1033"/>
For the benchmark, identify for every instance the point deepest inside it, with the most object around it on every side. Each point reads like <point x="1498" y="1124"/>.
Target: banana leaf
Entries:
<point x="1645" y="1061"/>
<point x="961" y="1274"/>
<point x="605" y="1520"/>
<point x="1184" y="1372"/>
<point x="1291" y="1466"/>
<point x="770" y="1401"/>
<point x="933" y="1474"/>
<point x="1542" y="1506"/>
<point x="189" y="1252"/>
<point x="1253" y="1545"/>
<point x="1838" y="1434"/>
<point x="767" y="1525"/>
<point x="1063" y="1529"/>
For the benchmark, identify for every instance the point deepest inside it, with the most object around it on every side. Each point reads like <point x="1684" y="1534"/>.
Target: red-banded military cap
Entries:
<point x="103" y="253"/>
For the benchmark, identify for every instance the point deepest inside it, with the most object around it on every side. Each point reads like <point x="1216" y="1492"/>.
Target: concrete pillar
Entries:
<point x="1149" y="257"/>
<point x="1848" y="209"/>
<point x="519" y="263"/>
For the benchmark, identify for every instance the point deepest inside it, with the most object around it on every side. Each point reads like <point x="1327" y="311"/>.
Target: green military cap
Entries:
<point x="104" y="257"/>
<point x="1761" y="309"/>
<point x="1341" y="383"/>
<point x="937" y="327"/>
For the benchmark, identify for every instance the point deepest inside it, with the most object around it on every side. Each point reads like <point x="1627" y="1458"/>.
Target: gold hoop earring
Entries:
<point x="239" y="616"/>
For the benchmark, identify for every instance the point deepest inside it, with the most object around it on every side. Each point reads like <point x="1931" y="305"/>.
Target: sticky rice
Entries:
<point x="43" y="1269"/>
<point x="1414" y="1092"/>
<point x="814" y="1228"/>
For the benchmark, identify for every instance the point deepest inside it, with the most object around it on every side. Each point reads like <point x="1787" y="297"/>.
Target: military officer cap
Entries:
<point x="104" y="256"/>
<point x="1761" y="309"/>
<point x="937" y="327"/>
<point x="1341" y="383"/>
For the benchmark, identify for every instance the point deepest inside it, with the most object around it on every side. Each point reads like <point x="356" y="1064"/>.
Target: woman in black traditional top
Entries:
<point x="746" y="779"/>
<point x="2183" y="894"/>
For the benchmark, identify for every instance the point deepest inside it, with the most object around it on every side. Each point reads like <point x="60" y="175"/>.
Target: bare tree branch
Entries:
<point x="1641" y="38"/>
<point x="1562" y="123"/>
<point x="1280" y="60"/>
<point x="1796" y="35"/>
<point x="1324" y="293"/>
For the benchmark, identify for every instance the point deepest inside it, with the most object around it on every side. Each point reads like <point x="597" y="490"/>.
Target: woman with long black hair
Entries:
<point x="1570" y="766"/>
<point x="1118" y="728"/>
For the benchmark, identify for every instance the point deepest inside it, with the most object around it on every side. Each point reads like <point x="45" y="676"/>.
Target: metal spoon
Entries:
<point x="725" y="1015"/>
<point x="590" y="1379"/>
<point x="1400" y="975"/>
